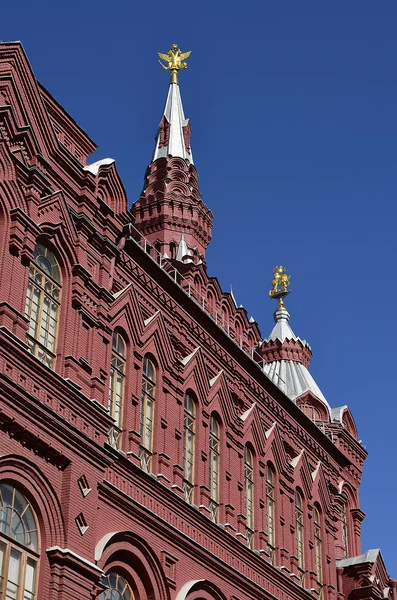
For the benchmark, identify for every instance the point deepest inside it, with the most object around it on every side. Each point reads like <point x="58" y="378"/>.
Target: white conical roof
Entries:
<point x="173" y="112"/>
<point x="294" y="379"/>
<point x="291" y="376"/>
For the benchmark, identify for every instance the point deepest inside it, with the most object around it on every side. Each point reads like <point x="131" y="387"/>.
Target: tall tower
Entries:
<point x="170" y="212"/>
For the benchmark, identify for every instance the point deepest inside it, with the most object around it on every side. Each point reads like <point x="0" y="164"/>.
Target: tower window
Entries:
<point x="42" y="305"/>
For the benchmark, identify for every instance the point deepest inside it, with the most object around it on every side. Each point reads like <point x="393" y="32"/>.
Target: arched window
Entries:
<point x="345" y="535"/>
<point x="157" y="254"/>
<point x="19" y="547"/>
<point x="224" y="318"/>
<point x="117" y="380"/>
<point x="270" y="510"/>
<point x="310" y="410"/>
<point x="42" y="305"/>
<point x="197" y="285"/>
<point x="299" y="534"/>
<point x="117" y="588"/>
<point x="238" y="332"/>
<point x="213" y="463"/>
<point x="210" y="303"/>
<point x="249" y="494"/>
<point x="172" y="250"/>
<point x="189" y="418"/>
<point x="318" y="559"/>
<point x="147" y="413"/>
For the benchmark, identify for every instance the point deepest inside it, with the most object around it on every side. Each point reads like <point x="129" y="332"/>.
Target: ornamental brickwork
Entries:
<point x="143" y="448"/>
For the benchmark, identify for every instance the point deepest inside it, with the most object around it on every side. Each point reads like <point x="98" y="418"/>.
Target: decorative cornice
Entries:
<point x="295" y="350"/>
<point x="31" y="441"/>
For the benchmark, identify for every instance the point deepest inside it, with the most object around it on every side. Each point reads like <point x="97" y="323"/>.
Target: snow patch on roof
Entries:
<point x="117" y="294"/>
<point x="147" y="321"/>
<point x="214" y="379"/>
<point x="94" y="167"/>
<point x="185" y="360"/>
<point x="245" y="415"/>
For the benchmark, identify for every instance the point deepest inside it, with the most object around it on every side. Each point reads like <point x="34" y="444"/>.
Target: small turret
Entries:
<point x="286" y="356"/>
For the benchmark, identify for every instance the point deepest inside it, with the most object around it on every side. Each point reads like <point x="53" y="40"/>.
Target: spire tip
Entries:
<point x="174" y="59"/>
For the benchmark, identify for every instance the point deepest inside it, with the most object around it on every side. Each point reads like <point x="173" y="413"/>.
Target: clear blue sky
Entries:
<point x="293" y="107"/>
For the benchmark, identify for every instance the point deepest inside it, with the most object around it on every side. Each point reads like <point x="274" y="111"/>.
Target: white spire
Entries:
<point x="184" y="254"/>
<point x="170" y="138"/>
<point x="232" y="295"/>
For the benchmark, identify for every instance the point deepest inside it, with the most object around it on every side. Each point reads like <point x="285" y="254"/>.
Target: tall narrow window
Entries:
<point x="299" y="534"/>
<point x="213" y="463"/>
<point x="270" y="508"/>
<point x="117" y="380"/>
<point x="147" y="413"/>
<point x="249" y="494"/>
<point x="189" y="417"/>
<point x="318" y="560"/>
<point x="345" y="537"/>
<point x="42" y="305"/>
<point x="19" y="552"/>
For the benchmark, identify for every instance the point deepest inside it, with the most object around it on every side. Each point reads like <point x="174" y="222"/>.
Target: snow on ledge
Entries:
<point x="94" y="167"/>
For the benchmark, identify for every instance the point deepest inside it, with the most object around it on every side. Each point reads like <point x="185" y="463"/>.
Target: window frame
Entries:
<point x="300" y="533"/>
<point x="249" y="494"/>
<point x="104" y="595"/>
<point x="318" y="548"/>
<point x="189" y="445"/>
<point x="34" y="342"/>
<point x="146" y="452"/>
<point x="118" y="370"/>
<point x="345" y="527"/>
<point x="271" y="511"/>
<point x="26" y="554"/>
<point x="214" y="463"/>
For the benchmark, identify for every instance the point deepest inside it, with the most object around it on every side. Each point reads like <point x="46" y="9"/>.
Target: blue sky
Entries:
<point x="293" y="111"/>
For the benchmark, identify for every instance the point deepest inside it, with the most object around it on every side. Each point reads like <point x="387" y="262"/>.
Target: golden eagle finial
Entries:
<point x="280" y="284"/>
<point x="174" y="59"/>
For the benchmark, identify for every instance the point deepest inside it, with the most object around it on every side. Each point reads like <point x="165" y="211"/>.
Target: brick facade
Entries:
<point x="97" y="510"/>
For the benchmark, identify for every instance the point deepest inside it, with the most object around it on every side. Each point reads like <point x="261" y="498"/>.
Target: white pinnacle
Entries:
<point x="183" y="254"/>
<point x="173" y="113"/>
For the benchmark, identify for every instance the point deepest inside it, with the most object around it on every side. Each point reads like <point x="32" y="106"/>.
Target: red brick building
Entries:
<point x="153" y="444"/>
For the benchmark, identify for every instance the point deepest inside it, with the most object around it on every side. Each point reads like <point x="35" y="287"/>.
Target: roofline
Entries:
<point x="65" y="112"/>
<point x="249" y="365"/>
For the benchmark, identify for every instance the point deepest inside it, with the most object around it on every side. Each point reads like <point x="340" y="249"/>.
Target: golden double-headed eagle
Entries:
<point x="174" y="59"/>
<point x="280" y="282"/>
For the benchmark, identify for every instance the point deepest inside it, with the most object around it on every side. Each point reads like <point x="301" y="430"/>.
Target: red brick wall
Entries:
<point x="54" y="424"/>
